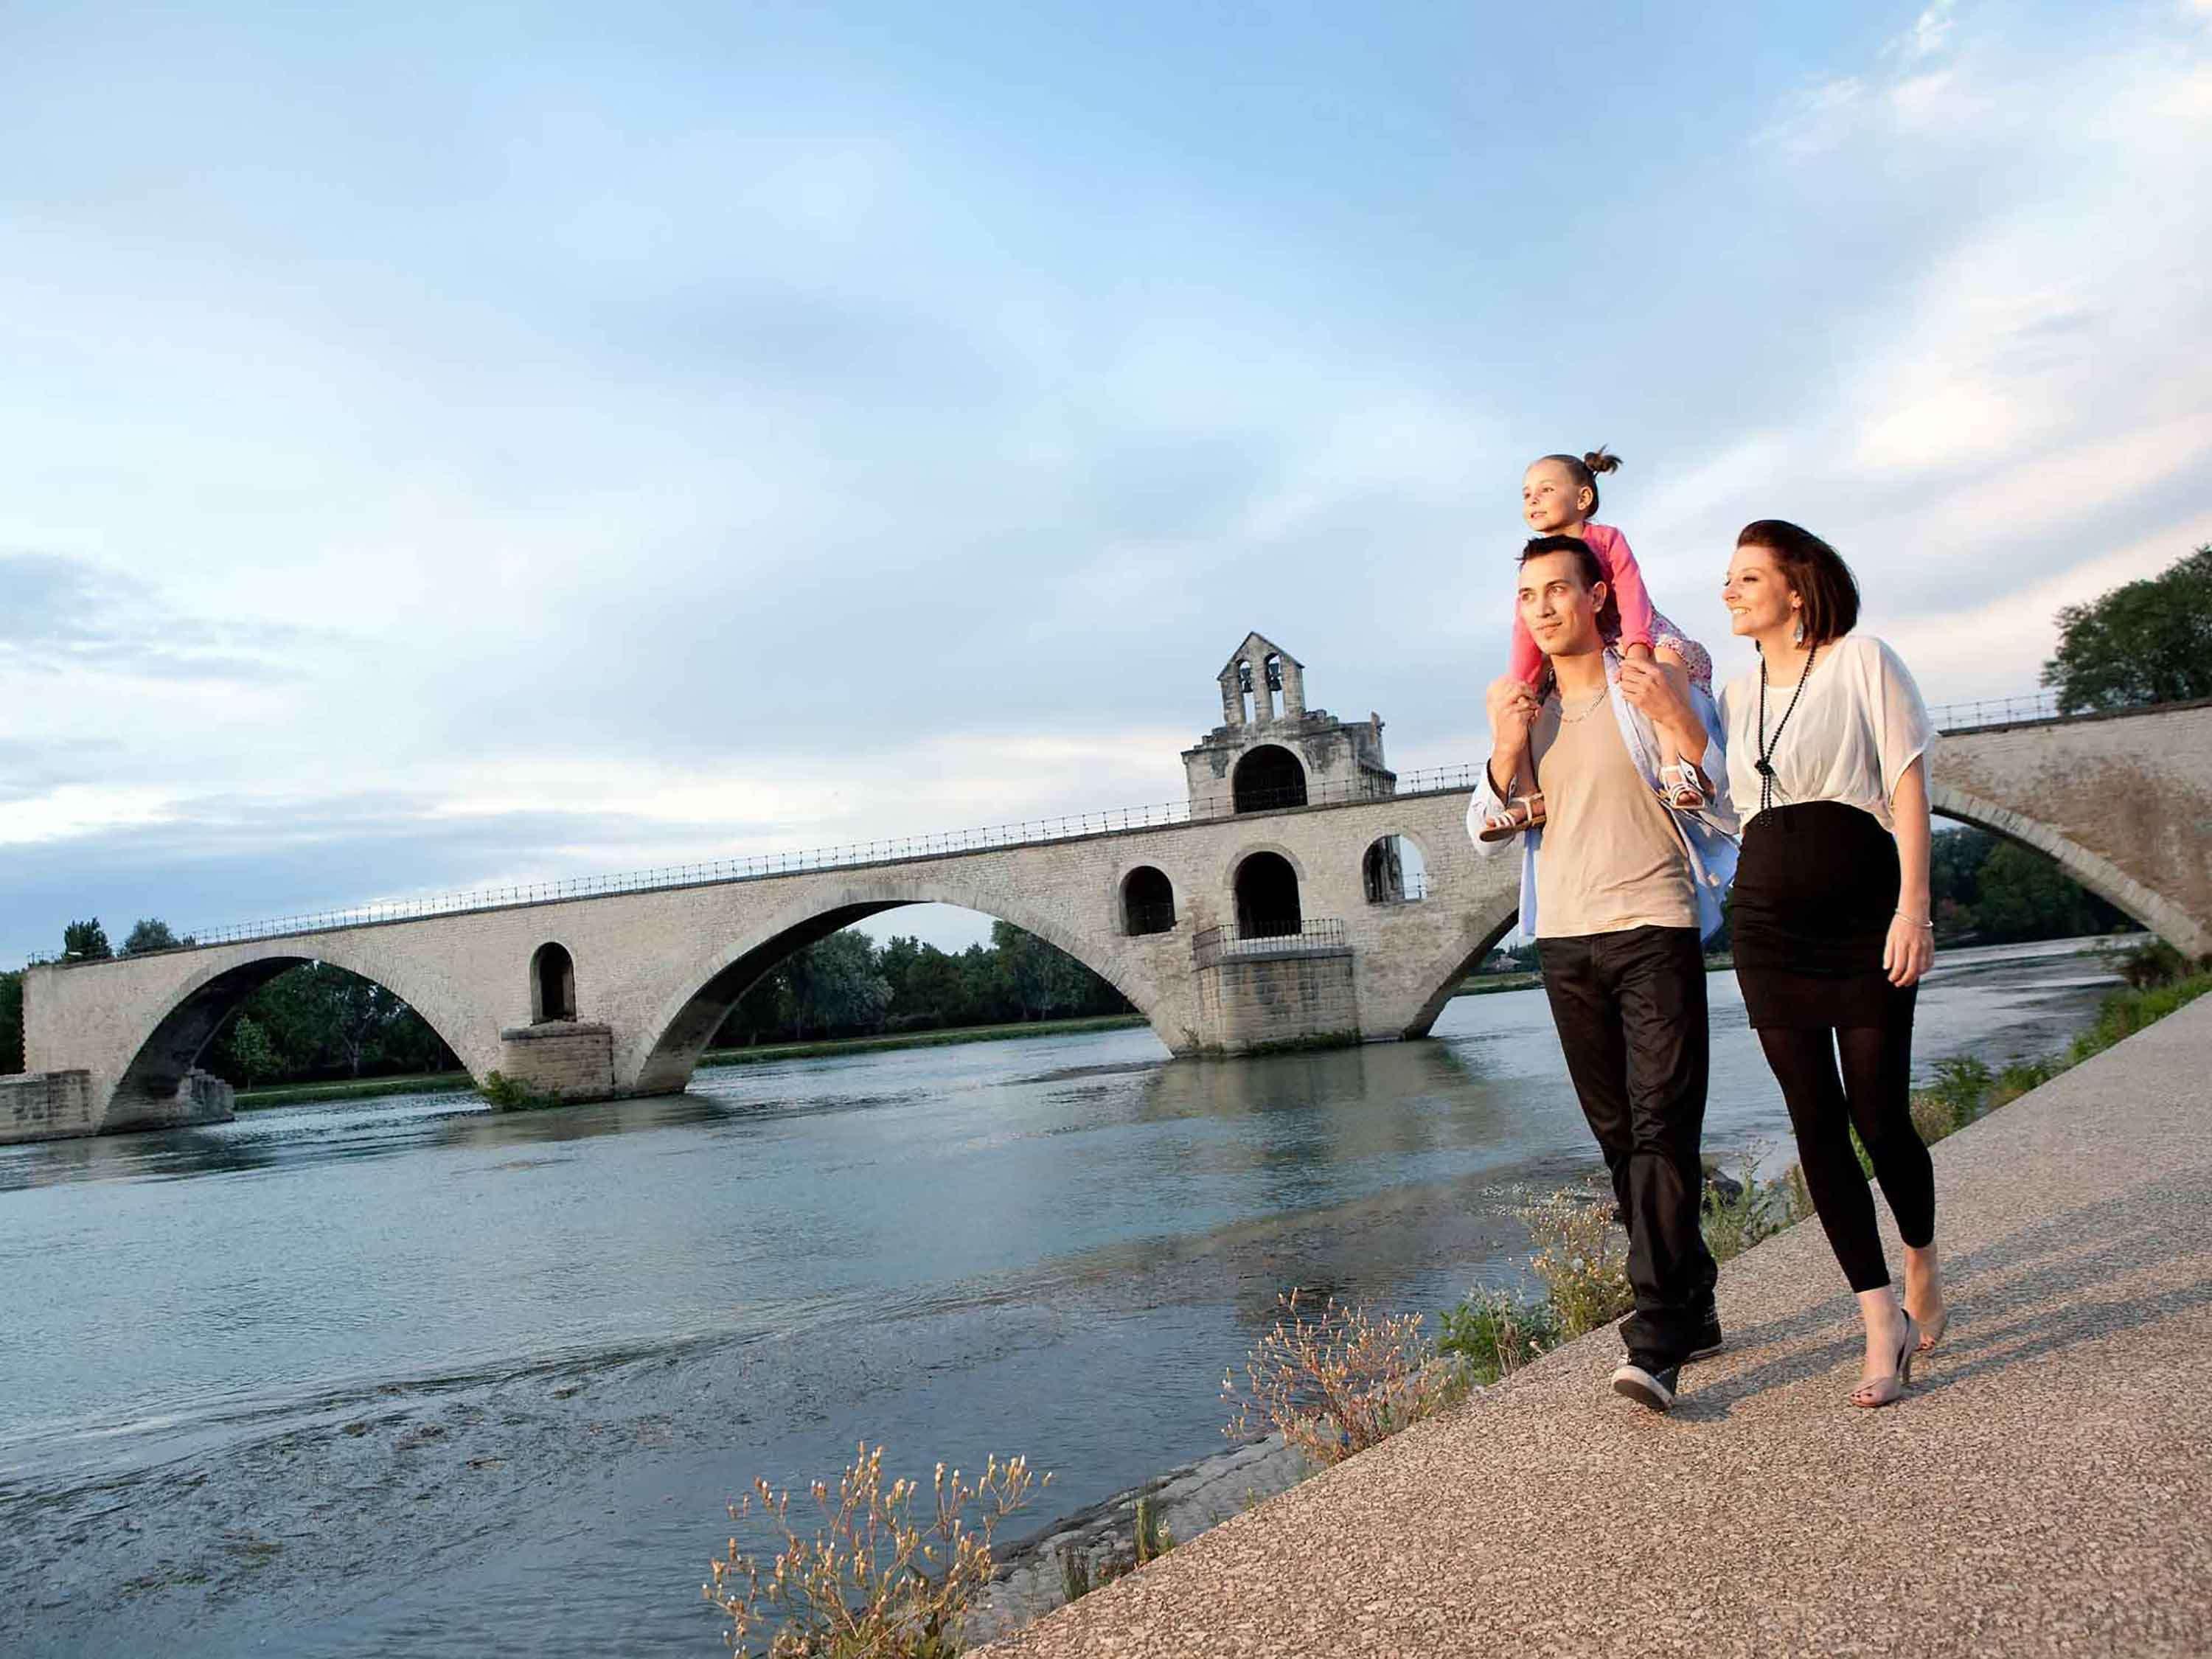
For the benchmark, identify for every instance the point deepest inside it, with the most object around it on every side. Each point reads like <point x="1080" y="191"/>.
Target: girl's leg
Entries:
<point x="1680" y="790"/>
<point x="1877" y="1064"/>
<point x="1804" y="1064"/>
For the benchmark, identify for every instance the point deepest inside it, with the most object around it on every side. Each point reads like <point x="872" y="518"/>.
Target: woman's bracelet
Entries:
<point x="1929" y="924"/>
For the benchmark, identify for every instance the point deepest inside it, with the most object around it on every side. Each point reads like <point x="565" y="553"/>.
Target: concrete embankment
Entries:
<point x="2043" y="1490"/>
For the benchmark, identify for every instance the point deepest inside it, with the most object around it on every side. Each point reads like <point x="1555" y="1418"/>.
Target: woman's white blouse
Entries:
<point x="1860" y="724"/>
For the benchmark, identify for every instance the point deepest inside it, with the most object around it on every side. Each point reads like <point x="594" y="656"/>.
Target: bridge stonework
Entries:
<point x="2122" y="803"/>
<point x="659" y="970"/>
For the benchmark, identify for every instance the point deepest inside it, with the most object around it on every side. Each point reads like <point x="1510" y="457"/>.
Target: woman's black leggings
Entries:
<point x="1874" y="1094"/>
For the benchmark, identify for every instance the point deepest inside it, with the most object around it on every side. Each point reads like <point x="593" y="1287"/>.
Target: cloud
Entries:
<point x="67" y="615"/>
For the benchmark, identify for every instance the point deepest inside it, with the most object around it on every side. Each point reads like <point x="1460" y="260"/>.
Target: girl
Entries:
<point x="1826" y="740"/>
<point x="1559" y="493"/>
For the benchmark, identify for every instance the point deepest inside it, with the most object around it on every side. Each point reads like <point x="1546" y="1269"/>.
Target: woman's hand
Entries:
<point x="1908" y="952"/>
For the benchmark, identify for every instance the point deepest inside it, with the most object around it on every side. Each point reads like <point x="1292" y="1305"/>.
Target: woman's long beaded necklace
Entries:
<point x="1766" y="744"/>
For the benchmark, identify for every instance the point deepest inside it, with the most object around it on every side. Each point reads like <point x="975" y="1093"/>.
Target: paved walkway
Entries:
<point x="2045" y="1489"/>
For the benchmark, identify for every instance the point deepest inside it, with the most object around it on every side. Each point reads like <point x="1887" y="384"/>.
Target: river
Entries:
<point x="401" y="1376"/>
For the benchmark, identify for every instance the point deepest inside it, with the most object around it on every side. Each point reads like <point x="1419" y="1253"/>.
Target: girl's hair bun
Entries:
<point x="1598" y="460"/>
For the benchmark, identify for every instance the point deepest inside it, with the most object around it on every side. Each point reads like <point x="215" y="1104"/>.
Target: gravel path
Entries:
<point x="2045" y="1488"/>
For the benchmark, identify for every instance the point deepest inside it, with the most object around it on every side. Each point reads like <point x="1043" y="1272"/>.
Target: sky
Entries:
<point x="445" y="447"/>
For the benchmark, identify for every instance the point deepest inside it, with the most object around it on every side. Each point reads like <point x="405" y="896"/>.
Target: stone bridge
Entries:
<point x="1231" y="931"/>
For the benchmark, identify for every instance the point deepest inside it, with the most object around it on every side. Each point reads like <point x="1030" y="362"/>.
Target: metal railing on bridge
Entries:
<point x="1209" y="945"/>
<point x="1994" y="711"/>
<point x="765" y="865"/>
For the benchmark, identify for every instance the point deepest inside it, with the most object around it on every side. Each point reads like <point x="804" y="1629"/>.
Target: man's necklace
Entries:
<point x="1766" y="744"/>
<point x="1588" y="708"/>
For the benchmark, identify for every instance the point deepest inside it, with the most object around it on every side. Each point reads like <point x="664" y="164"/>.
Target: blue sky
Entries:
<point x="459" y="445"/>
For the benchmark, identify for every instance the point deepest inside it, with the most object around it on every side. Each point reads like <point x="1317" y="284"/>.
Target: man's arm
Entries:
<point x="1513" y="708"/>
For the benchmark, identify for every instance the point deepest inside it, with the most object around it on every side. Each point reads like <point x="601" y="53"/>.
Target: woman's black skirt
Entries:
<point x="1814" y="893"/>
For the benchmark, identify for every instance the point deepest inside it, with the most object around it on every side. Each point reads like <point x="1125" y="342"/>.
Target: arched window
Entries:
<point x="1269" y="779"/>
<point x="552" y="985"/>
<point x="1393" y="872"/>
<point x="1267" y="898"/>
<point x="1147" y="901"/>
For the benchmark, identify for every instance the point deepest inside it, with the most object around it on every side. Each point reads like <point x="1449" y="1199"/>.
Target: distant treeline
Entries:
<point x="318" y="1021"/>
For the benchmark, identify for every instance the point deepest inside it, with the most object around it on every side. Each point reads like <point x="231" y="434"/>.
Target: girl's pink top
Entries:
<point x="1525" y="663"/>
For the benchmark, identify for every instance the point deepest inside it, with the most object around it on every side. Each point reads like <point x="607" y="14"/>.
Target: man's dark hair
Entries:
<point x="1588" y="566"/>
<point x="1816" y="573"/>
<point x="1586" y="561"/>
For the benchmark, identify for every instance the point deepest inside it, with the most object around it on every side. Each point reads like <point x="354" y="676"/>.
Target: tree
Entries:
<point x="251" y="1052"/>
<point x="11" y="1021"/>
<point x="2144" y="641"/>
<point x="86" y="941"/>
<point x="151" y="933"/>
<point x="836" y="987"/>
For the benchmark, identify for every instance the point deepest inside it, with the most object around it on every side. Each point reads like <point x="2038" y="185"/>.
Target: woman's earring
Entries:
<point x="1797" y="633"/>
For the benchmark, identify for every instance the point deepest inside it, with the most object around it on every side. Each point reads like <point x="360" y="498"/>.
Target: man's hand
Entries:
<point x="1513" y="710"/>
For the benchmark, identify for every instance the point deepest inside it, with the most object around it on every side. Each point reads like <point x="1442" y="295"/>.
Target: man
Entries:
<point x="1619" y="889"/>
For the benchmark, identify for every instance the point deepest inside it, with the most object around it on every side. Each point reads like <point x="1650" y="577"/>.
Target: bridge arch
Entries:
<point x="708" y="988"/>
<point x="2153" y="909"/>
<point x="174" y="1038"/>
<point x="1442" y="973"/>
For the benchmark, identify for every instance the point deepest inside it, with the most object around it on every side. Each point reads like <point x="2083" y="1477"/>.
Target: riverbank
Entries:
<point x="1033" y="1580"/>
<point x="2076" y="1221"/>
<point x="422" y="1083"/>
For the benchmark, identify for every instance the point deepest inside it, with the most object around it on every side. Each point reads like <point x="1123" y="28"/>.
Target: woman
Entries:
<point x="1832" y="929"/>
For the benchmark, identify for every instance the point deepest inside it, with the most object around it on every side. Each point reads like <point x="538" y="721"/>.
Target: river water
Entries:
<point x="404" y="1377"/>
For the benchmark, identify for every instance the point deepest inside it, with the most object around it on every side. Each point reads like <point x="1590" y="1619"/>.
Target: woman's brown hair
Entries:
<point x="1816" y="573"/>
<point x="1584" y="469"/>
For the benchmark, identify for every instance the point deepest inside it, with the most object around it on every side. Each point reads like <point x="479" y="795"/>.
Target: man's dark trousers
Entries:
<point x="1630" y="1012"/>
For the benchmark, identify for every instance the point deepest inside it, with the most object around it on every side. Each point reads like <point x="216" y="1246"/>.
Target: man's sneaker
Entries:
<point x="1709" y="1337"/>
<point x="1655" y="1389"/>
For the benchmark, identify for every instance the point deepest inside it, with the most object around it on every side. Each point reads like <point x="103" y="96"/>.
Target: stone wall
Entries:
<point x="198" y="1097"/>
<point x="46" y="1106"/>
<point x="1261" y="1002"/>
<point x="561" y="1060"/>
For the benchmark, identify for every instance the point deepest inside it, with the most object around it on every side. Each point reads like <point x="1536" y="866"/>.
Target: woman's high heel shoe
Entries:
<point x="1888" y="1390"/>
<point x="1932" y="1332"/>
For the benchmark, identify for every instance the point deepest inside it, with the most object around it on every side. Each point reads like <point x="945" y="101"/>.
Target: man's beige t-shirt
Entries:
<point x="1611" y="858"/>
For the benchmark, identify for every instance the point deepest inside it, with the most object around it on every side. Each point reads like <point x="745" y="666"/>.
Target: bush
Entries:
<point x="1491" y="1335"/>
<point x="510" y="1094"/>
<point x="1337" y="1382"/>
<point x="875" y="1581"/>
<point x="1581" y="1260"/>
<point x="2154" y="963"/>
<point x="1739" y="1214"/>
<point x="2126" y="1013"/>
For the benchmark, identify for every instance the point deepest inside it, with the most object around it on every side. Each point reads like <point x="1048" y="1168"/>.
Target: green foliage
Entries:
<point x="251" y="1051"/>
<point x="1492" y="1333"/>
<point x="86" y="941"/>
<point x="2124" y="1013"/>
<point x="318" y="1021"/>
<point x="1581" y="1260"/>
<point x="511" y="1094"/>
<point x="1735" y="1220"/>
<point x="11" y="1021"/>
<point x="151" y="933"/>
<point x="1998" y="892"/>
<point x="2144" y="643"/>
<point x="2151" y="963"/>
<point x="845" y="986"/>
